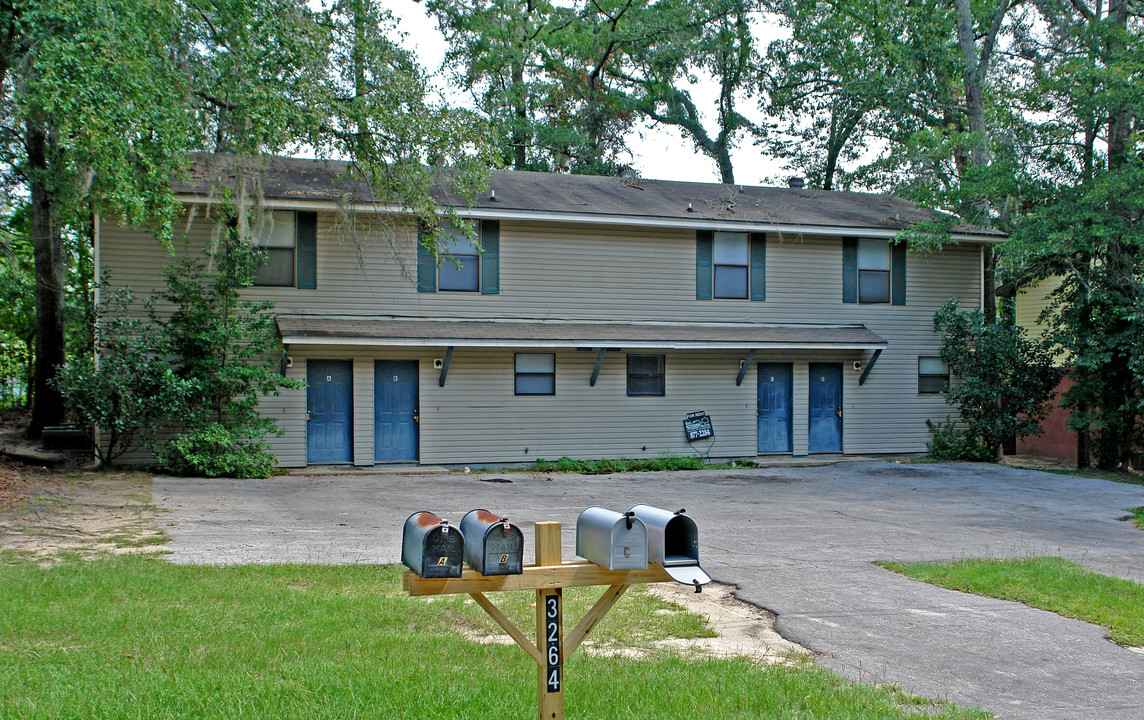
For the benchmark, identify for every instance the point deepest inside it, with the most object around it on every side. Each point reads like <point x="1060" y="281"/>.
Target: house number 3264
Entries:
<point x="552" y="641"/>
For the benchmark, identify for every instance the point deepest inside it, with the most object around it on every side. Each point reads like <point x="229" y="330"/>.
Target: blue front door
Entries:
<point x="774" y="407"/>
<point x="825" y="408"/>
<point x="395" y="411"/>
<point x="329" y="409"/>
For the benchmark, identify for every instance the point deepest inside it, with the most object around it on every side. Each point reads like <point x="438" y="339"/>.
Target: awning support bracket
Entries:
<point x="445" y="367"/>
<point x="869" y="366"/>
<point x="599" y="364"/>
<point x="743" y="368"/>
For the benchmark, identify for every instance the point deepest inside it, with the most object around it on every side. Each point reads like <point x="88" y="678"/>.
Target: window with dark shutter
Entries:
<point x="731" y="258"/>
<point x="276" y="238"/>
<point x="873" y="270"/>
<point x="460" y="262"/>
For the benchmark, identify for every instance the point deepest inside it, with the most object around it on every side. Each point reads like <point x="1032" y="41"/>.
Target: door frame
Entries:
<point x="790" y="408"/>
<point x="416" y="410"/>
<point x="841" y="402"/>
<point x="349" y="411"/>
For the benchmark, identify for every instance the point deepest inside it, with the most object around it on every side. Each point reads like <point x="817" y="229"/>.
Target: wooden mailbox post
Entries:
<point x="548" y="577"/>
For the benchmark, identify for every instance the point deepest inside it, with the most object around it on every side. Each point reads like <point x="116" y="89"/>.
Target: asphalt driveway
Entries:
<point x="801" y="542"/>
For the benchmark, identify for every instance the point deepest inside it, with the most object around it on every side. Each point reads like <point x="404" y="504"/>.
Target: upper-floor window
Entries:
<point x="873" y="270"/>
<point x="460" y="267"/>
<point x="277" y="239"/>
<point x="731" y="257"/>
<point x="933" y="375"/>
<point x="289" y="241"/>
<point x="730" y="265"/>
<point x="460" y="263"/>
<point x="646" y="375"/>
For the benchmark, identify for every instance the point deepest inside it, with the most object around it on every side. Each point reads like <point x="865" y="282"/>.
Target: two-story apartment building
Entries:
<point x="600" y="312"/>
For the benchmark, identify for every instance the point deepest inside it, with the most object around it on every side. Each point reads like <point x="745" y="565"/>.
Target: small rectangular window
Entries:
<point x="933" y="375"/>
<point x="535" y="374"/>
<point x="460" y="267"/>
<point x="731" y="256"/>
<point x="277" y="237"/>
<point x="646" y="375"/>
<point x="873" y="270"/>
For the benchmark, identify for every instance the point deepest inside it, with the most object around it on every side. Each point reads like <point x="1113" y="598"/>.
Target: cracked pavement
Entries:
<point x="799" y="541"/>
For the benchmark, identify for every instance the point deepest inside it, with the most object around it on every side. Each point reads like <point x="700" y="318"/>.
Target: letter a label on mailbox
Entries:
<point x="552" y="642"/>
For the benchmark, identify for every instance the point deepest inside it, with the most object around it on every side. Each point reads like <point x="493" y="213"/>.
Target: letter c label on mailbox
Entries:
<point x="627" y="551"/>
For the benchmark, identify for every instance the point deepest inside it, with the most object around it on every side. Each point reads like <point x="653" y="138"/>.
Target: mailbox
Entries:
<point x="673" y="544"/>
<point x="618" y="541"/>
<point x="431" y="547"/>
<point x="493" y="545"/>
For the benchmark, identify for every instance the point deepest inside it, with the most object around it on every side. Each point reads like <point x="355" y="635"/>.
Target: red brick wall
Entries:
<point x="1056" y="441"/>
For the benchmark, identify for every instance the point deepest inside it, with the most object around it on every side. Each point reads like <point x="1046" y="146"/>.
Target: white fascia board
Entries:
<point x="640" y="344"/>
<point x="623" y="220"/>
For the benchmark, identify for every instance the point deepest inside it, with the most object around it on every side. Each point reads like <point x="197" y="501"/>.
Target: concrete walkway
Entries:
<point x="801" y="542"/>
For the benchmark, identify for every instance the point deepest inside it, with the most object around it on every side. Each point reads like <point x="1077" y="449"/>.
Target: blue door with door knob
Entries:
<point x="395" y="416"/>
<point x="329" y="411"/>
<point x="774" y="408"/>
<point x="825" y="432"/>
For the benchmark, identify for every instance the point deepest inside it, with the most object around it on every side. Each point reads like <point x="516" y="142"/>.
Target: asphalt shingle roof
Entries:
<point x="571" y="333"/>
<point x="516" y="192"/>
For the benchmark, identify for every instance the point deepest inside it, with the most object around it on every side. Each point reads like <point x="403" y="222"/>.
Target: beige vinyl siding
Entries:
<point x="605" y="273"/>
<point x="476" y="418"/>
<point x="1031" y="301"/>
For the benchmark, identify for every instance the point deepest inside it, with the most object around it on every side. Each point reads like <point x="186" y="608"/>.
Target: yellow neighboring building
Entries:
<point x="1056" y="441"/>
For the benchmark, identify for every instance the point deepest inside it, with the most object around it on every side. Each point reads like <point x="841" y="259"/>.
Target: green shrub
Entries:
<point x="952" y="443"/>
<point x="130" y="394"/>
<point x="216" y="450"/>
<point x="227" y="350"/>
<point x="1002" y="380"/>
<point x="660" y="464"/>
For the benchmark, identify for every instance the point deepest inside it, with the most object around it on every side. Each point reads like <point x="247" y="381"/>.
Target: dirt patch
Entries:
<point x="44" y="514"/>
<point x="741" y="629"/>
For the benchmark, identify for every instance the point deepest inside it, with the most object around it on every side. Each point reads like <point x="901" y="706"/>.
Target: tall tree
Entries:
<point x="1086" y="218"/>
<point x="88" y="121"/>
<point x="104" y="99"/>
<point x="683" y="41"/>
<point x="494" y="50"/>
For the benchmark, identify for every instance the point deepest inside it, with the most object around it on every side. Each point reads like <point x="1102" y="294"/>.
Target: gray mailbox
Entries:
<point x="493" y="545"/>
<point x="431" y="547"/>
<point x="673" y="544"/>
<point x="618" y="541"/>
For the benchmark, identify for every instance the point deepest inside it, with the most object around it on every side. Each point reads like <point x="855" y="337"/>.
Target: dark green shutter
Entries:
<point x="426" y="265"/>
<point x="704" y="246"/>
<point x="307" y="239"/>
<point x="758" y="266"/>
<point x="490" y="257"/>
<point x="898" y="273"/>
<point x="849" y="270"/>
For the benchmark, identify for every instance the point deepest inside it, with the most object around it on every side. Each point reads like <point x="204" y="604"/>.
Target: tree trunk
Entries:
<point x="47" y="245"/>
<point x="722" y="156"/>
<point x="520" y="134"/>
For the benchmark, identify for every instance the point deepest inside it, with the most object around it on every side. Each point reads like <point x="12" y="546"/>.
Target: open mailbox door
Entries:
<point x="673" y="544"/>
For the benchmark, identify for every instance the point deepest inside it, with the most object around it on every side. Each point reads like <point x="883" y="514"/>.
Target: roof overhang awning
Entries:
<point x="487" y="332"/>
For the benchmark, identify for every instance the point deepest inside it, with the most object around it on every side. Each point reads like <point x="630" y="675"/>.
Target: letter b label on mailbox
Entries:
<point x="493" y="545"/>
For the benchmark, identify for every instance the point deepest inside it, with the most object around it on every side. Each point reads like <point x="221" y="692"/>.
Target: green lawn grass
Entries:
<point x="1048" y="583"/>
<point x="1137" y="517"/>
<point x="135" y="637"/>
